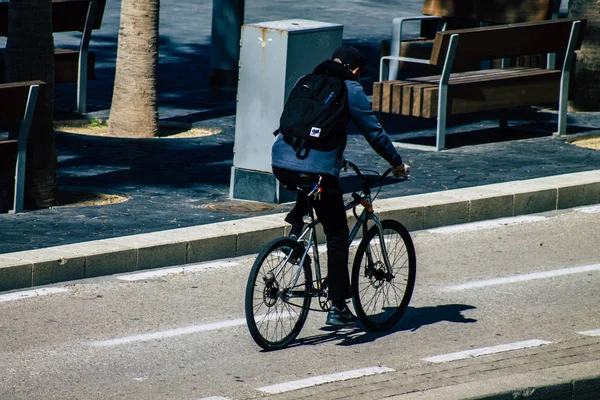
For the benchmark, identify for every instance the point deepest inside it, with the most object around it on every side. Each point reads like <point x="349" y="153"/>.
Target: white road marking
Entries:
<point x="215" y="398"/>
<point x="589" y="209"/>
<point x="26" y="294"/>
<point x="177" y="270"/>
<point x="461" y="355"/>
<point x="186" y="330"/>
<point x="490" y="224"/>
<point x="319" y="380"/>
<point x="522" y="278"/>
<point x="594" y="332"/>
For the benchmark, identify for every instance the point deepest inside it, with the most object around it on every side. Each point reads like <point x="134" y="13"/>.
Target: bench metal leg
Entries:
<point x="564" y="80"/>
<point x="442" y="106"/>
<point x="82" y="83"/>
<point x="443" y="94"/>
<point x="82" y="66"/>
<point x="394" y="48"/>
<point x="24" y="130"/>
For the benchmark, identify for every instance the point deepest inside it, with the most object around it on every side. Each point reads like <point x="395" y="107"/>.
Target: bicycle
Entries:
<point x="280" y="286"/>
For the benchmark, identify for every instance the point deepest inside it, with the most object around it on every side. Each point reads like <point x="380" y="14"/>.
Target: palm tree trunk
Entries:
<point x="134" y="109"/>
<point x="30" y="56"/>
<point x="586" y="89"/>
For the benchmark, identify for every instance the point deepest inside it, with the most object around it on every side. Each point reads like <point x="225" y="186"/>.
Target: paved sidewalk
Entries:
<point x="558" y="371"/>
<point x="179" y="212"/>
<point x="175" y="183"/>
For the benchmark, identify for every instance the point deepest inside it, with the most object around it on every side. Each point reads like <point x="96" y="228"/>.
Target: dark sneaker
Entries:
<point x="337" y="317"/>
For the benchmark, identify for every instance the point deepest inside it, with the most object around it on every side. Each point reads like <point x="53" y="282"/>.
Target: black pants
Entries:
<point x="330" y="211"/>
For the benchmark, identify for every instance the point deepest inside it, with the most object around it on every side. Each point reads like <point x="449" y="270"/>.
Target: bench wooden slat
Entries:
<point x="376" y="98"/>
<point x="67" y="15"/>
<point x="542" y="37"/>
<point x="397" y="90"/>
<point x="18" y="103"/>
<point x="486" y="75"/>
<point x="70" y="15"/>
<point x="410" y="96"/>
<point x="418" y="96"/>
<point x="470" y="75"/>
<point x="13" y="99"/>
<point x="67" y="65"/>
<point x="473" y="97"/>
<point x="417" y="48"/>
<point x="384" y="96"/>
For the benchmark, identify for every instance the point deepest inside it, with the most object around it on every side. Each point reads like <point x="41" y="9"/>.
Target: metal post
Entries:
<point x="443" y="94"/>
<point x="227" y="21"/>
<point x="22" y="140"/>
<point x="564" y="79"/>
<point x="82" y="66"/>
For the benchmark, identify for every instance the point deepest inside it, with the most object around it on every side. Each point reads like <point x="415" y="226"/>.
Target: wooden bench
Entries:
<point x="71" y="16"/>
<point x="439" y="96"/>
<point x="17" y="108"/>
<point x="459" y="14"/>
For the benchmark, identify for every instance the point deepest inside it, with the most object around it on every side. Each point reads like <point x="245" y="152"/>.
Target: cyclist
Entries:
<point x="322" y="168"/>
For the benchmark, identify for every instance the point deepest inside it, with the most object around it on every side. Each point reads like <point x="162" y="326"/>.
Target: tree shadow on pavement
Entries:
<point x="413" y="319"/>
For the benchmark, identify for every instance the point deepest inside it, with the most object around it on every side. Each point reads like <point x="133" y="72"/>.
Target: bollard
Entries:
<point x="273" y="56"/>
<point x="227" y="19"/>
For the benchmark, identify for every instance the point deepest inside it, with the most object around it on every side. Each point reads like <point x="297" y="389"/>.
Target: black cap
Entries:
<point x="349" y="56"/>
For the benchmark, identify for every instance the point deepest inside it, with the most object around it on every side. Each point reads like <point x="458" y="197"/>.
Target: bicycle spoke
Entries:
<point x="382" y="291"/>
<point x="274" y="312"/>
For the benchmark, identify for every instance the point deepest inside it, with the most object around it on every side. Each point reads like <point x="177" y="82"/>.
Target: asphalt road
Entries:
<point x="528" y="282"/>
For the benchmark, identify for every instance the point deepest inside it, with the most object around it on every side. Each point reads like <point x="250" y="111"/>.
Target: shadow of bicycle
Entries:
<point x="412" y="320"/>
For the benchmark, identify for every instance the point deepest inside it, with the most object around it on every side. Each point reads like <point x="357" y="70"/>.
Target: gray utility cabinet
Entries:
<point x="273" y="56"/>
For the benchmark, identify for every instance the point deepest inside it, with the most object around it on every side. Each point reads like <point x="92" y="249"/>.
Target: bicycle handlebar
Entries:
<point x="368" y="178"/>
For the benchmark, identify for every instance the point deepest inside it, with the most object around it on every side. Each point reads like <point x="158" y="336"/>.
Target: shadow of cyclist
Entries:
<point x="413" y="319"/>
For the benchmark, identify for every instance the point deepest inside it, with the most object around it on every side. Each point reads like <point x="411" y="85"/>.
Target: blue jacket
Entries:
<point x="329" y="162"/>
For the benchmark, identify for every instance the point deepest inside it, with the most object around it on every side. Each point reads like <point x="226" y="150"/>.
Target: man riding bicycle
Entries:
<point x="321" y="168"/>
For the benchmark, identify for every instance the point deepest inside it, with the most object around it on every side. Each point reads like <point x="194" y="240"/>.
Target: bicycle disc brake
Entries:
<point x="271" y="290"/>
<point x="376" y="274"/>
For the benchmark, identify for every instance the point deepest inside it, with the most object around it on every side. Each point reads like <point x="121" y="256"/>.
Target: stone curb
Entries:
<point x="572" y="381"/>
<point x="247" y="236"/>
<point x="576" y="389"/>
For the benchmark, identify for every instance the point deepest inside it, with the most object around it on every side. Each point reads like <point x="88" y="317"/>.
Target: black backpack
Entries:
<point x="315" y="114"/>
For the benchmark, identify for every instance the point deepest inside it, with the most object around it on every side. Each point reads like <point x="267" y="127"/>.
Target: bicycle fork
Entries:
<point x="361" y="221"/>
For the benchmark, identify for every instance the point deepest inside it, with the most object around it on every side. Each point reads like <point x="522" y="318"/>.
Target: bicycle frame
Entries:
<point x="361" y="221"/>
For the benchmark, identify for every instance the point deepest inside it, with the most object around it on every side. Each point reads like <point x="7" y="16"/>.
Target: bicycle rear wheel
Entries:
<point x="276" y="308"/>
<point x="381" y="298"/>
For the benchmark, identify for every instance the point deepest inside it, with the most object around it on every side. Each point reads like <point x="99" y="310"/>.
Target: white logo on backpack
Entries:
<point x="315" y="132"/>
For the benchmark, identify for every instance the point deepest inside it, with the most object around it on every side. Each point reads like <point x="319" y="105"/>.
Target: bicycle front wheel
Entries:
<point x="278" y="294"/>
<point x="381" y="293"/>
